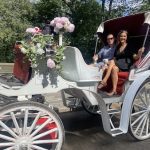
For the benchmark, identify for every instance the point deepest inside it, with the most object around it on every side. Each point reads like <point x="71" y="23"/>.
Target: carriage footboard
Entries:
<point x="106" y="120"/>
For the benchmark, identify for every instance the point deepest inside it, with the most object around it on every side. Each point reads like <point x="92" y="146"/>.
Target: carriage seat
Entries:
<point x="75" y="69"/>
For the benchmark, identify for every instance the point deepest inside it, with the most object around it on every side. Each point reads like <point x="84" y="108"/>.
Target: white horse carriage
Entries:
<point x="25" y="124"/>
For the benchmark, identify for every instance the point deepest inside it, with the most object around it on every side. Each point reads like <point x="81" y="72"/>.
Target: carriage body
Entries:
<point x="80" y="81"/>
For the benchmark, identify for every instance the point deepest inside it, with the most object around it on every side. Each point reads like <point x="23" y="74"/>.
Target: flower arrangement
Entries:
<point x="39" y="44"/>
<point x="62" y="24"/>
<point x="34" y="48"/>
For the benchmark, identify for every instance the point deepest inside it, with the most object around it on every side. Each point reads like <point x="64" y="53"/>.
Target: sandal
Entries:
<point x="101" y="85"/>
<point x="112" y="93"/>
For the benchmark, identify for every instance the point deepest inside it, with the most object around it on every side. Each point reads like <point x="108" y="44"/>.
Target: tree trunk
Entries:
<point x="110" y="6"/>
<point x="103" y="5"/>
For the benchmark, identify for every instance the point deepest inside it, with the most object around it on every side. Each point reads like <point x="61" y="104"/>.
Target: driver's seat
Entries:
<point x="75" y="69"/>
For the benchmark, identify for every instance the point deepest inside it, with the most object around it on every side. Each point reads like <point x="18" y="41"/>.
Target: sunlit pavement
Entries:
<point x="85" y="132"/>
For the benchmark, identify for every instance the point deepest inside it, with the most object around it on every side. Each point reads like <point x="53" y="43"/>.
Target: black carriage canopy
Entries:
<point x="136" y="25"/>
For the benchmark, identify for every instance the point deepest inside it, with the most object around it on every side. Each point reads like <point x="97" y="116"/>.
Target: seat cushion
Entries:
<point x="122" y="78"/>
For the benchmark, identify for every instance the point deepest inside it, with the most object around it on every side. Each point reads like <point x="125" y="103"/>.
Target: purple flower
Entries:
<point x="50" y="63"/>
<point x="70" y="28"/>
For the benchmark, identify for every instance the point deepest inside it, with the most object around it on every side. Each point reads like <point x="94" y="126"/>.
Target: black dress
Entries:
<point x="124" y="60"/>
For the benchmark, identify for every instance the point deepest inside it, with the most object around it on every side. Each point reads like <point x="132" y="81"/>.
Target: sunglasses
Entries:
<point x="110" y="38"/>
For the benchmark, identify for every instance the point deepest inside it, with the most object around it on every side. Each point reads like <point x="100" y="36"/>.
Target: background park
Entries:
<point x="18" y="15"/>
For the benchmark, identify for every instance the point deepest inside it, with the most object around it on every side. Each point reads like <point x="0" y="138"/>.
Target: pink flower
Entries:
<point x="52" y="23"/>
<point x="37" y="30"/>
<point x="64" y="20"/>
<point x="59" y="26"/>
<point x="70" y="28"/>
<point x="50" y="63"/>
<point x="33" y="30"/>
<point x="30" y="30"/>
<point x="57" y="20"/>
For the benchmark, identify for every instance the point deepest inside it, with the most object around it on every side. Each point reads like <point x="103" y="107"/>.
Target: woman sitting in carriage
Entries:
<point x="124" y="57"/>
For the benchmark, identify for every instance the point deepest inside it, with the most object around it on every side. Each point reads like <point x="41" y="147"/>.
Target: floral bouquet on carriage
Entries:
<point x="48" y="46"/>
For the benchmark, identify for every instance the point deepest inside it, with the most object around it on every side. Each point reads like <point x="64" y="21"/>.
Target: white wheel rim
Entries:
<point x="24" y="133"/>
<point x="140" y="118"/>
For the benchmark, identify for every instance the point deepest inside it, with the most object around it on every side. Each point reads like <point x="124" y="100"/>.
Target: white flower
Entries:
<point x="64" y="57"/>
<point x="23" y="50"/>
<point x="33" y="65"/>
<point x="40" y="51"/>
<point x="38" y="45"/>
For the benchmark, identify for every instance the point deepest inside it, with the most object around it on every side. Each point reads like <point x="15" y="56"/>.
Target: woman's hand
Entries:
<point x="139" y="54"/>
<point x="141" y="50"/>
<point x="95" y="57"/>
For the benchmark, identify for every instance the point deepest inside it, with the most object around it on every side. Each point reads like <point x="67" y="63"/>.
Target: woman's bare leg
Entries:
<point x="108" y="73"/>
<point x="114" y="78"/>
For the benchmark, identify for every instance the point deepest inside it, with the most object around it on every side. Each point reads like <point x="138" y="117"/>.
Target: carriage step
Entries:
<point x="114" y="99"/>
<point x="116" y="131"/>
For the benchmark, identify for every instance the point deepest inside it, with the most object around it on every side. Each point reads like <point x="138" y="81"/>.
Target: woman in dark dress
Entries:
<point x="123" y="59"/>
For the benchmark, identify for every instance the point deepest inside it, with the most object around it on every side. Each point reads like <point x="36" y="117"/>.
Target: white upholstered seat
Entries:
<point x="75" y="69"/>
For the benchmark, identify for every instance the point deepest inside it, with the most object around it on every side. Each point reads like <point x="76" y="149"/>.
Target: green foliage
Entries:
<point x="48" y="9"/>
<point x="58" y="58"/>
<point x="34" y="48"/>
<point x="145" y="6"/>
<point x="15" y="17"/>
<point x="86" y="15"/>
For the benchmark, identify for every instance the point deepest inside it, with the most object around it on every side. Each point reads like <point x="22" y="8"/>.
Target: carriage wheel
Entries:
<point x="91" y="109"/>
<point x="30" y="126"/>
<point x="139" y="126"/>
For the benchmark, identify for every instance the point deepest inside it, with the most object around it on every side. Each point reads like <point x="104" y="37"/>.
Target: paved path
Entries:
<point x="85" y="132"/>
<point x="55" y="100"/>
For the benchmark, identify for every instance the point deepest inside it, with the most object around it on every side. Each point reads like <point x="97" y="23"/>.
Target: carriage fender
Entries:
<point x="128" y="100"/>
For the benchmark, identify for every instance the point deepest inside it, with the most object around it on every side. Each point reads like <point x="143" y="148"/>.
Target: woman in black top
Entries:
<point x="124" y="57"/>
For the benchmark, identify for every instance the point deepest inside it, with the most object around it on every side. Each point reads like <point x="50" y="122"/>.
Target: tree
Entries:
<point x="86" y="15"/>
<point x="48" y="9"/>
<point x="145" y="6"/>
<point x="15" y="17"/>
